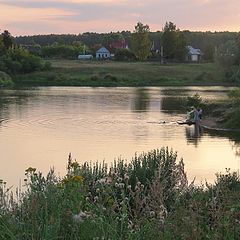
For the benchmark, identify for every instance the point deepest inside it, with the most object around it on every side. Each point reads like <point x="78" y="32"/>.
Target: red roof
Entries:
<point x="118" y="44"/>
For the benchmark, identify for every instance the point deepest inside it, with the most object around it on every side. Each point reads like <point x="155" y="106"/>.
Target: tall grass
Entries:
<point x="146" y="198"/>
<point x="110" y="73"/>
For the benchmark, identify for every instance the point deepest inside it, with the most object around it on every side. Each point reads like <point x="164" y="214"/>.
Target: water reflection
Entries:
<point x="193" y="134"/>
<point x="236" y="147"/>
<point x="141" y="100"/>
<point x="233" y="136"/>
<point x="40" y="127"/>
<point x="173" y="104"/>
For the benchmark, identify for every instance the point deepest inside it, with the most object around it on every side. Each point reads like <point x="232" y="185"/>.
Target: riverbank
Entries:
<point x="114" y="74"/>
<point x="150" y="197"/>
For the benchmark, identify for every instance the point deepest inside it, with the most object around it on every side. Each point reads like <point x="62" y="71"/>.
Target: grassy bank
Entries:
<point x="109" y="73"/>
<point x="148" y="198"/>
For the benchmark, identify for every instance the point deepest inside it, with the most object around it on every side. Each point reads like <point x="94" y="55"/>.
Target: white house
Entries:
<point x="194" y="54"/>
<point x="103" y="53"/>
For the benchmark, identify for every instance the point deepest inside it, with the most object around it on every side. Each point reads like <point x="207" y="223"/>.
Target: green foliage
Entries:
<point x="7" y="39"/>
<point x="232" y="118"/>
<point x="195" y="101"/>
<point x="124" y="55"/>
<point x="5" y="80"/>
<point x="236" y="76"/>
<point x="147" y="198"/>
<point x="225" y="60"/>
<point x="62" y="51"/>
<point x="141" y="41"/>
<point x="208" y="51"/>
<point x="173" y="42"/>
<point x="75" y="73"/>
<point x="20" y="61"/>
<point x="234" y="95"/>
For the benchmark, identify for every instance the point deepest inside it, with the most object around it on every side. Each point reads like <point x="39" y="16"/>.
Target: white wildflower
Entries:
<point x="80" y="217"/>
<point x="152" y="213"/>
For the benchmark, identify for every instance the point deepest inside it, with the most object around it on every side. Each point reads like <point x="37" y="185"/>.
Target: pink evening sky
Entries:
<point x="28" y="17"/>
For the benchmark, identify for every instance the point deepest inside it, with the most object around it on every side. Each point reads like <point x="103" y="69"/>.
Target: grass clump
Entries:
<point x="147" y="198"/>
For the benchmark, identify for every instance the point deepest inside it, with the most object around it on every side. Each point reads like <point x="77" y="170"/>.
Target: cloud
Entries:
<point x="101" y="15"/>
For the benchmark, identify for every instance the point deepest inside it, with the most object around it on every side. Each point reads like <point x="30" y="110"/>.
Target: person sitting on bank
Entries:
<point x="194" y="116"/>
<point x="191" y="114"/>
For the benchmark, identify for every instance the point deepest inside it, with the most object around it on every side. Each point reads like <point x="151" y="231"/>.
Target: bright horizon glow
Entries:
<point x="31" y="17"/>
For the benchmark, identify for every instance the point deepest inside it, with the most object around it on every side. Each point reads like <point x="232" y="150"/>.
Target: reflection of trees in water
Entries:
<point x="193" y="134"/>
<point x="141" y="100"/>
<point x="233" y="136"/>
<point x="174" y="104"/>
<point x="8" y="98"/>
<point x="236" y="147"/>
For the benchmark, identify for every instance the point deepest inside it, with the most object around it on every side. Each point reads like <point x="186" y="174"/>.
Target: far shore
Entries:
<point x="124" y="74"/>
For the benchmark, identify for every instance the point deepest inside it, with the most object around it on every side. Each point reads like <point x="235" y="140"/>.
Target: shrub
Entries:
<point x="232" y="118"/>
<point x="124" y="55"/>
<point x="20" y="61"/>
<point x="5" y="80"/>
<point x="62" y="51"/>
<point x="234" y="95"/>
<point x="233" y="75"/>
<point x="109" y="76"/>
<point x="194" y="100"/>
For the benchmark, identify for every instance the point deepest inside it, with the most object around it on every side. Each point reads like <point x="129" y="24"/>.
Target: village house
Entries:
<point x="118" y="45"/>
<point x="103" y="53"/>
<point x="194" y="54"/>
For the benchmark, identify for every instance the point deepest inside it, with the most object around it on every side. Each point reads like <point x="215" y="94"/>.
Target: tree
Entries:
<point x="180" y="47"/>
<point x="7" y="39"/>
<point x="124" y="55"/>
<point x="238" y="49"/>
<point x="173" y="42"/>
<point x="141" y="41"/>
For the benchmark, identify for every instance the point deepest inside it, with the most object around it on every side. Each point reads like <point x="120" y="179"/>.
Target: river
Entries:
<point x="40" y="127"/>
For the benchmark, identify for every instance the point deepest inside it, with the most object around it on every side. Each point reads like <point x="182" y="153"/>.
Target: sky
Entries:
<point x="31" y="17"/>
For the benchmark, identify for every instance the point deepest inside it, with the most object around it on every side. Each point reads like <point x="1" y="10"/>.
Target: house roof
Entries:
<point x="118" y="44"/>
<point x="103" y="50"/>
<point x="194" y="51"/>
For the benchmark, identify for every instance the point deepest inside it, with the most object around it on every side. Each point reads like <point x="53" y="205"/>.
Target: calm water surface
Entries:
<point x="40" y="127"/>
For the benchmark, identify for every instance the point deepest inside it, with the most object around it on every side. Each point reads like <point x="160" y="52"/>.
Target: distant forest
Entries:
<point x="206" y="41"/>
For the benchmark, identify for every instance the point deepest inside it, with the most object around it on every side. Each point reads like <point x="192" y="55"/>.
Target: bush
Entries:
<point x="124" y="55"/>
<point x="62" y="51"/>
<point x="232" y="118"/>
<point x="5" y="80"/>
<point x="233" y="74"/>
<point x="234" y="95"/>
<point x="110" y="77"/>
<point x="20" y="61"/>
<point x="194" y="100"/>
<point x="47" y="66"/>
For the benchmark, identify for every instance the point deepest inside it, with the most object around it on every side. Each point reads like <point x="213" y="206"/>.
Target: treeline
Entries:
<point x="25" y="54"/>
<point x="208" y="42"/>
